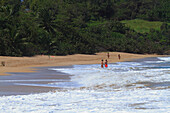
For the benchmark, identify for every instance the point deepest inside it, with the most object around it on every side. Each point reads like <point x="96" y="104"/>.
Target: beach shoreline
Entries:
<point x="25" y="64"/>
<point x="40" y="78"/>
<point x="40" y="81"/>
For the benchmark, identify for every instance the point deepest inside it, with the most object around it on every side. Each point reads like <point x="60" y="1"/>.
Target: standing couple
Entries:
<point x="106" y="65"/>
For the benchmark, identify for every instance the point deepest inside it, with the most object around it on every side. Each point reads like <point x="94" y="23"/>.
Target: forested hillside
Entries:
<point x="61" y="27"/>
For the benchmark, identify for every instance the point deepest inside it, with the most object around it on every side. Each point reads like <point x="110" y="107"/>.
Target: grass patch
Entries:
<point x="143" y="26"/>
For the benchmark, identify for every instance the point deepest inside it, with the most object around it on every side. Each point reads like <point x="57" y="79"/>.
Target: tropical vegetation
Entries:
<point x="62" y="27"/>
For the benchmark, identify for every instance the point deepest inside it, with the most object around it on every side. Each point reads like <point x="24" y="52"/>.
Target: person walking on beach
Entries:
<point x="108" y="55"/>
<point x="102" y="63"/>
<point x="119" y="56"/>
<point x="106" y="65"/>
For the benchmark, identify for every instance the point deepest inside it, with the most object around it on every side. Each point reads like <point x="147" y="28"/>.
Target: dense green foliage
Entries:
<point x="143" y="26"/>
<point x="62" y="27"/>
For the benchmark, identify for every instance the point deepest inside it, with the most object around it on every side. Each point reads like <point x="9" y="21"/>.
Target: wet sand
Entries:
<point x="30" y="83"/>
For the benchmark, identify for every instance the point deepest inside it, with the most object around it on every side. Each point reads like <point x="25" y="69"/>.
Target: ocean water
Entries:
<point x="141" y="86"/>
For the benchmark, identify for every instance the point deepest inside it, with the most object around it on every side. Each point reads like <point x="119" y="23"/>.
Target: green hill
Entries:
<point x="143" y="26"/>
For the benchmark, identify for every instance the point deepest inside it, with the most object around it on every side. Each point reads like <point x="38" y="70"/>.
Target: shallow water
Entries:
<point x="138" y="86"/>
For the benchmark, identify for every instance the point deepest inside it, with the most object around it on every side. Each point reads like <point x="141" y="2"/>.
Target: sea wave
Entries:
<point x="167" y="59"/>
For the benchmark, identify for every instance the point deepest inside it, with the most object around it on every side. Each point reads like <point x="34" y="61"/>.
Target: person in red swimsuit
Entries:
<point x="106" y="65"/>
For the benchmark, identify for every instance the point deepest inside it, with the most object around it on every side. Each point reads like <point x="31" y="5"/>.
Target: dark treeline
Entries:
<point x="61" y="27"/>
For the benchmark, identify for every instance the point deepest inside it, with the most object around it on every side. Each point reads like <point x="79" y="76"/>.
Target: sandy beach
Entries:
<point x="34" y="82"/>
<point x="40" y="84"/>
<point x="34" y="70"/>
<point x="23" y="64"/>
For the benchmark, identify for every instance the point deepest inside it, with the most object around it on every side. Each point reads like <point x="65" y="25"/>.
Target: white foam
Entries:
<point x="153" y="61"/>
<point x="79" y="101"/>
<point x="116" y="75"/>
<point x="167" y="59"/>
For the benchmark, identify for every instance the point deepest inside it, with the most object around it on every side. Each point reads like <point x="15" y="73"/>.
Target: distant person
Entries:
<point x="3" y="63"/>
<point x="102" y="63"/>
<point x="106" y="65"/>
<point x="119" y="56"/>
<point x="108" y="55"/>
